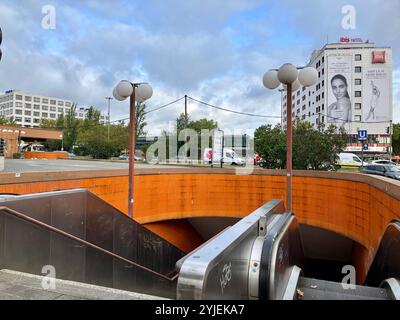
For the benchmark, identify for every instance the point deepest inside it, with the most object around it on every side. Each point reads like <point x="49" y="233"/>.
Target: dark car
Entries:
<point x="389" y="171"/>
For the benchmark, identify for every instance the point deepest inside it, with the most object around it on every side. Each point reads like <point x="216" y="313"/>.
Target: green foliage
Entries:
<point x="312" y="149"/>
<point x="6" y="122"/>
<point x="140" y="120"/>
<point x="202" y="124"/>
<point x="396" y="138"/>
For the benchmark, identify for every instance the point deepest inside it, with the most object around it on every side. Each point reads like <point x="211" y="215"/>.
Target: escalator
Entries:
<point x="263" y="257"/>
<point x="86" y="240"/>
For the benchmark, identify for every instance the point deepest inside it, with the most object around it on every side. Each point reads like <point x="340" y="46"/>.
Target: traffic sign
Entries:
<point x="362" y="135"/>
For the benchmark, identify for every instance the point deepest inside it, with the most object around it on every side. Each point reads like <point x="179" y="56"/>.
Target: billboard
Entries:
<point x="376" y="102"/>
<point x="339" y="88"/>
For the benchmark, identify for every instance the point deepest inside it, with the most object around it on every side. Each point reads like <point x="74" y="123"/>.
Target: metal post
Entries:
<point x="289" y="149"/>
<point x="222" y="151"/>
<point x="109" y="99"/>
<point x="391" y="140"/>
<point x="131" y="153"/>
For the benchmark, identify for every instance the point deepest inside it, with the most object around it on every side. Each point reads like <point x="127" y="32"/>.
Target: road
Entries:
<point x="41" y="165"/>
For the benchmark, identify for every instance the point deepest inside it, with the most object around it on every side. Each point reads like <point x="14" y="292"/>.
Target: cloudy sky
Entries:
<point x="213" y="50"/>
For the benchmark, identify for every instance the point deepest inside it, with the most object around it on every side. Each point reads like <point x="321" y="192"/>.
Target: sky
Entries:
<point x="213" y="50"/>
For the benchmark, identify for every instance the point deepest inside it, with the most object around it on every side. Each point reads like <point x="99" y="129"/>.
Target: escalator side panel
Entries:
<point x="281" y="251"/>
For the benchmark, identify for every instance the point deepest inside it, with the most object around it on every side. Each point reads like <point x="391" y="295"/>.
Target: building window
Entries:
<point x="45" y="100"/>
<point x="52" y="115"/>
<point x="28" y="98"/>
<point x="323" y="94"/>
<point x="53" y="109"/>
<point x="68" y="104"/>
<point x="323" y="107"/>
<point x="357" y="106"/>
<point x="357" y="118"/>
<point x="36" y="114"/>
<point x="357" y="93"/>
<point x="358" y="57"/>
<point x="36" y="120"/>
<point x="357" y="69"/>
<point x="53" y="102"/>
<point x="36" y="99"/>
<point x="18" y="111"/>
<point x="323" y="71"/>
<point x="28" y="120"/>
<point x="18" y="119"/>
<point x="18" y="97"/>
<point x="60" y="103"/>
<point x="36" y="107"/>
<point x="45" y="114"/>
<point x="28" y="105"/>
<point x="18" y="104"/>
<point x="45" y="108"/>
<point x="60" y="110"/>
<point x="357" y="81"/>
<point x="323" y="82"/>
<point x="27" y="113"/>
<point x="323" y="59"/>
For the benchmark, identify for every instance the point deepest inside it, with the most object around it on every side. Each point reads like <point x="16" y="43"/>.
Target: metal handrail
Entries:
<point x="91" y="245"/>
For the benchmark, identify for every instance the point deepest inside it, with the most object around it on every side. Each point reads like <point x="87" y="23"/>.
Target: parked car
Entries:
<point x="389" y="171"/>
<point x="385" y="161"/>
<point x="126" y="157"/>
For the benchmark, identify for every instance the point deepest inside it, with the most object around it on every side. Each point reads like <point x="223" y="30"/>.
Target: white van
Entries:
<point x="230" y="157"/>
<point x="350" y="160"/>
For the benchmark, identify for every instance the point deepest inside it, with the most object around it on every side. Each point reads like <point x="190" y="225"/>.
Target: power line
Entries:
<point x="233" y="111"/>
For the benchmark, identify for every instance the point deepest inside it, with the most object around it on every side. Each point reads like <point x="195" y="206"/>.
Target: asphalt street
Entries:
<point x="40" y="165"/>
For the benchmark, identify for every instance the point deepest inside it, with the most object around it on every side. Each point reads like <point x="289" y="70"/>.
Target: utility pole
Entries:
<point x="186" y="115"/>
<point x="109" y="99"/>
<point x="186" y="124"/>
<point x="391" y="140"/>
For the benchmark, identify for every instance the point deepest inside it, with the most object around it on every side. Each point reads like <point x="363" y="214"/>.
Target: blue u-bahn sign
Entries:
<point x="362" y="135"/>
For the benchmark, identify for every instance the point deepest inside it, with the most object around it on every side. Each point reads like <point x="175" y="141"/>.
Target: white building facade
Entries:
<point x="27" y="110"/>
<point x="354" y="90"/>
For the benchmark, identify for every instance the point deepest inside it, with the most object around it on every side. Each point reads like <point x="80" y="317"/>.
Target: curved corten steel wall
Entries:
<point x="354" y="205"/>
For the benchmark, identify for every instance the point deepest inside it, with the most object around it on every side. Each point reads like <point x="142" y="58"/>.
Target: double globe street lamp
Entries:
<point x="292" y="80"/>
<point x="138" y="92"/>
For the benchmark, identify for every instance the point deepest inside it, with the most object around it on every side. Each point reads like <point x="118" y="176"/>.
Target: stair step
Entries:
<point x="315" y="289"/>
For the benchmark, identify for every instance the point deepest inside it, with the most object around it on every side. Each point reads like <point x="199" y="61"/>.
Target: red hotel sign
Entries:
<point x="378" y="57"/>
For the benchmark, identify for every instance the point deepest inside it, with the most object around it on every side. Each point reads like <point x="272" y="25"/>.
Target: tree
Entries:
<point x="270" y="143"/>
<point x="140" y="120"/>
<point x="7" y="122"/>
<point x="396" y="139"/>
<point x="182" y="122"/>
<point x="202" y="124"/>
<point x="312" y="149"/>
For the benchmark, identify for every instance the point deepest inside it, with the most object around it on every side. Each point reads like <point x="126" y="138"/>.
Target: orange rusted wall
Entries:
<point x="45" y="155"/>
<point x="354" y="205"/>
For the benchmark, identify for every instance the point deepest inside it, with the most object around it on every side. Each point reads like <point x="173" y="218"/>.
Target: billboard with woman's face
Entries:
<point x="339" y="88"/>
<point x="376" y="102"/>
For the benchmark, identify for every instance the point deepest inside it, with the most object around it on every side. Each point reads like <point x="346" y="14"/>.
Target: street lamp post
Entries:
<point x="108" y="129"/>
<point x="291" y="79"/>
<point x="138" y="92"/>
